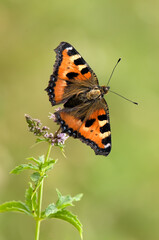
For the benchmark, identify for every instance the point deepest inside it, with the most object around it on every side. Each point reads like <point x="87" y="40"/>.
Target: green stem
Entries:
<point x="48" y="153"/>
<point x="40" y="195"/>
<point x="37" y="231"/>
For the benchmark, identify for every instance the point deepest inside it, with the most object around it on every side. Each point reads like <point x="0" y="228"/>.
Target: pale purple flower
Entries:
<point x="51" y="135"/>
<point x="45" y="128"/>
<point x="36" y="127"/>
<point x="61" y="138"/>
<point x="38" y="122"/>
<point x="46" y="135"/>
<point x="52" y="116"/>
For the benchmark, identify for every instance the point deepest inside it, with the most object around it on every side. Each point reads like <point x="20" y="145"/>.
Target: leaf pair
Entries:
<point x="52" y="211"/>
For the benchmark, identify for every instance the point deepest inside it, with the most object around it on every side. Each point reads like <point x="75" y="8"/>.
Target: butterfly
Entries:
<point x="85" y="113"/>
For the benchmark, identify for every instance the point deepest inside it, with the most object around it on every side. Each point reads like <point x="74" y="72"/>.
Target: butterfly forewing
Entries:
<point x="70" y="68"/>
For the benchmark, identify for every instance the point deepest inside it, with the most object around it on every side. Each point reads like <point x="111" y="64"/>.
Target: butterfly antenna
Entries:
<point x="113" y="70"/>
<point x="123" y="97"/>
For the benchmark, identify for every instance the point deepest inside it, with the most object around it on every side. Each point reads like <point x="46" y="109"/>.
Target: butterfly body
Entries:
<point x="85" y="114"/>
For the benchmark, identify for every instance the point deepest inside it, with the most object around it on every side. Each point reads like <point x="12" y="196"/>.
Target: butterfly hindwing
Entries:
<point x="92" y="128"/>
<point x="95" y="131"/>
<point x="71" y="74"/>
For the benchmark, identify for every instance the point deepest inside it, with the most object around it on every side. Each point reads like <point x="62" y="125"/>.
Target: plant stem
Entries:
<point x="48" y="153"/>
<point x="37" y="231"/>
<point x="40" y="195"/>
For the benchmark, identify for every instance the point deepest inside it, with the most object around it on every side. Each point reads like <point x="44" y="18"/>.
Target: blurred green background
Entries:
<point x="121" y="191"/>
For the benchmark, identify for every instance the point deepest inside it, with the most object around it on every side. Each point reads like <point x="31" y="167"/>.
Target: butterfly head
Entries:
<point x="105" y="89"/>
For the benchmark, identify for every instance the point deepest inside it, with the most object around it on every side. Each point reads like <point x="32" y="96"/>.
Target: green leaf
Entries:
<point x="15" y="206"/>
<point x="35" y="177"/>
<point x="39" y="140"/>
<point x="61" y="146"/>
<point x="23" y="167"/>
<point x="34" y="160"/>
<point x="58" y="210"/>
<point x="64" y="201"/>
<point x="38" y="183"/>
<point x="34" y="201"/>
<point x="48" y="165"/>
<point x="41" y="159"/>
<point x="28" y="195"/>
<point x="68" y="217"/>
<point x="51" y="209"/>
<point x="31" y="198"/>
<point x="78" y="197"/>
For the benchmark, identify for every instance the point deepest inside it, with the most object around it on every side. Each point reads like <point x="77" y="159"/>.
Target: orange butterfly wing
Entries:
<point x="69" y="69"/>
<point x="94" y="129"/>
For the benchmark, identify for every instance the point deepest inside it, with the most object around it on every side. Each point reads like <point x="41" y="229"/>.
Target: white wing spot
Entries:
<point x="69" y="48"/>
<point x="108" y="145"/>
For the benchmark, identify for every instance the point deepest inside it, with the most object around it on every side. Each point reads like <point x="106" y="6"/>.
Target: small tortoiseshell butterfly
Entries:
<point x="85" y="114"/>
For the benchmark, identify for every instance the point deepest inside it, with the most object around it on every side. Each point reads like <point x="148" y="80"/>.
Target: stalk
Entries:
<point x="40" y="196"/>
